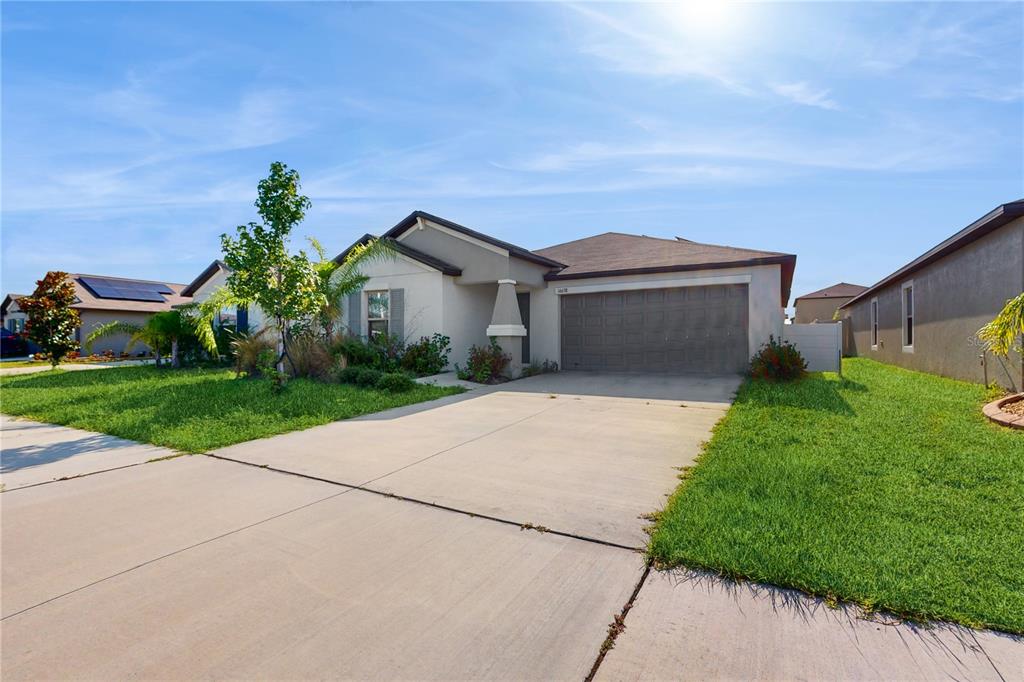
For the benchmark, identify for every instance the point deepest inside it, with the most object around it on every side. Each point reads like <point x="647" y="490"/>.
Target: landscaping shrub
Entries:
<point x="427" y="356"/>
<point x="308" y="356"/>
<point x="396" y="382"/>
<point x="360" y="376"/>
<point x="247" y="349"/>
<point x="387" y="350"/>
<point x="778" y="360"/>
<point x="354" y="350"/>
<point x="485" y="364"/>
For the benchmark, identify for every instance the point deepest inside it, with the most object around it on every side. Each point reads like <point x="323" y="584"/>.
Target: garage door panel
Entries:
<point x="683" y="329"/>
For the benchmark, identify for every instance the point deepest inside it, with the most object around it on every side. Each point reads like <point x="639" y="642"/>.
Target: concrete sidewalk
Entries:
<point x="691" y="626"/>
<point x="33" y="452"/>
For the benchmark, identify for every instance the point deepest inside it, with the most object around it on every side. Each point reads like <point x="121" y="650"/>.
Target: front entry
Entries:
<point x="679" y="330"/>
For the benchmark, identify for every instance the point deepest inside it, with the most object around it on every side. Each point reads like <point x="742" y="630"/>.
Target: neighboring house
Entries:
<point x="925" y="315"/>
<point x="102" y="299"/>
<point x="609" y="302"/>
<point x="11" y="316"/>
<point x="209" y="280"/>
<point x="821" y="305"/>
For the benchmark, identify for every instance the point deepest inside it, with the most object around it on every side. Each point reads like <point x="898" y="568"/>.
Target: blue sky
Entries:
<point x="854" y="135"/>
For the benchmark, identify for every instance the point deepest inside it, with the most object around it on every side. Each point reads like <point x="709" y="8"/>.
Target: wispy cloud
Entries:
<point x="805" y="94"/>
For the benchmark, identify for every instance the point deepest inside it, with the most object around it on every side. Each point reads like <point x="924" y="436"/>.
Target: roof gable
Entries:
<point x="204" y="277"/>
<point x="407" y="251"/>
<point x="840" y="290"/>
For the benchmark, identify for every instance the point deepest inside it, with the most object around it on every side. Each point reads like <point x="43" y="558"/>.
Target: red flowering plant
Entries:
<point x="52" y="320"/>
<point x="778" y="360"/>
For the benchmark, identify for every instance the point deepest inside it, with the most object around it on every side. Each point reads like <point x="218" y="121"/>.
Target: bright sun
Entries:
<point x="703" y="16"/>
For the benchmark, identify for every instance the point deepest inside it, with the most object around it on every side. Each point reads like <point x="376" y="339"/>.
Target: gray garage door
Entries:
<point x="687" y="329"/>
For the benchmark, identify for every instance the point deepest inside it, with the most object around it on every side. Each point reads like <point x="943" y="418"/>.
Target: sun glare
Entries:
<point x="704" y="17"/>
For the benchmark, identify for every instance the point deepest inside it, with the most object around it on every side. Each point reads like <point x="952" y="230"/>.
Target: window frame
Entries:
<point x="908" y="328"/>
<point x="387" y="313"/>
<point x="874" y="322"/>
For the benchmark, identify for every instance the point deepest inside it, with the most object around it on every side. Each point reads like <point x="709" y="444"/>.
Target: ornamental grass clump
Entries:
<point x="778" y="360"/>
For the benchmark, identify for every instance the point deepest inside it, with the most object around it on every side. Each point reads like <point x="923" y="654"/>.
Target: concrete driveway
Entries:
<point x="489" y="535"/>
<point x="485" y="536"/>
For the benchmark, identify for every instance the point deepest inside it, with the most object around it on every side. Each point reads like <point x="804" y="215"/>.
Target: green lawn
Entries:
<point x="885" y="487"/>
<point x="22" y="363"/>
<point x="194" y="410"/>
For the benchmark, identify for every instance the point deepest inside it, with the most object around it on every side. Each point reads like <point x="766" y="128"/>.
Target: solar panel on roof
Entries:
<point x="127" y="290"/>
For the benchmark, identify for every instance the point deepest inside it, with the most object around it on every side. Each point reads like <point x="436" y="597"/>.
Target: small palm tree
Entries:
<point x="161" y="333"/>
<point x="1006" y="331"/>
<point x="337" y="280"/>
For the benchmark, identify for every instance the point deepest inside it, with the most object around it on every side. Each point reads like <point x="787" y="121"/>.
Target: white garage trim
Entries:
<point x="700" y="281"/>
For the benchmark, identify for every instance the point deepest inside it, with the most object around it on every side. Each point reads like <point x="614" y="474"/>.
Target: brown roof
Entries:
<point x="89" y="301"/>
<point x="841" y="290"/>
<point x="615" y="253"/>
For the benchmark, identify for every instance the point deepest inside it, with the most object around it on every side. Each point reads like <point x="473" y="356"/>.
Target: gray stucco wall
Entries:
<point x="953" y="298"/>
<point x="94" y="318"/>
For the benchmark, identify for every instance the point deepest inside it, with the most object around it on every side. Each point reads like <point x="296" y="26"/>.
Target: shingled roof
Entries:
<point x="615" y="253"/>
<point x="841" y="290"/>
<point x="87" y="300"/>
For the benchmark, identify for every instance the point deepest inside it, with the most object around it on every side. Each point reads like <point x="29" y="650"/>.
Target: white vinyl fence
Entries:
<point x="821" y="344"/>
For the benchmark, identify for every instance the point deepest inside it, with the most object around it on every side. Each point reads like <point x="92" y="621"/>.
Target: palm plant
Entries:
<point x="161" y="333"/>
<point x="335" y="281"/>
<point x="1006" y="331"/>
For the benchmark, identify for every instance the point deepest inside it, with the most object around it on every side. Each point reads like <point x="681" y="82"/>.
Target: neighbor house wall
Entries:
<point x="765" y="313"/>
<point x="257" y="320"/>
<point x="91" y="319"/>
<point x="953" y="298"/>
<point x="14" y="318"/>
<point x="817" y="309"/>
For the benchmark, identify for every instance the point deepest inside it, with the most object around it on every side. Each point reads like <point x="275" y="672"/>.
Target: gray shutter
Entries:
<point x="355" y="310"/>
<point x="396" y="314"/>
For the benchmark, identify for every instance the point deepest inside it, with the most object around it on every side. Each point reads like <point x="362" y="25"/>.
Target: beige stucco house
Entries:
<point x="926" y="314"/>
<point x="821" y="305"/>
<point x="611" y="302"/>
<point x="209" y="280"/>
<point x="101" y="299"/>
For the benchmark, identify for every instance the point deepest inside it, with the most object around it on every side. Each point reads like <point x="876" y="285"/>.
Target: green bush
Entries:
<point x="427" y="356"/>
<point x="360" y="376"/>
<point x="395" y="382"/>
<point x="387" y="350"/>
<point x="778" y="361"/>
<point x="355" y="351"/>
<point x="485" y="364"/>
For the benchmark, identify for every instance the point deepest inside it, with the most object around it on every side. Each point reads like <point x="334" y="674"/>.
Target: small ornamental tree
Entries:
<point x="51" y="319"/>
<point x="283" y="285"/>
<point x="1003" y="334"/>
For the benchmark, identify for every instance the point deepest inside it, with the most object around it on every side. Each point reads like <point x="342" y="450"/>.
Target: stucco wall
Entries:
<point x="765" y="312"/>
<point x="817" y="309"/>
<point x="953" y="298"/>
<point x="91" y="319"/>
<point x="467" y="312"/>
<point x="424" y="303"/>
<point x="257" y="320"/>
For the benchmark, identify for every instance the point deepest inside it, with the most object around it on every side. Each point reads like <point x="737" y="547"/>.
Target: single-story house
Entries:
<point x="209" y="280"/>
<point x="611" y="302"/>
<point x="11" y="316"/>
<point x="925" y="315"/>
<point x="821" y="305"/>
<point x="101" y="299"/>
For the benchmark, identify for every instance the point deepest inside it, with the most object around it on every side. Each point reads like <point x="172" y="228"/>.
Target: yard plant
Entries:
<point x="192" y="410"/>
<point x="51" y="318"/>
<point x="885" y="487"/>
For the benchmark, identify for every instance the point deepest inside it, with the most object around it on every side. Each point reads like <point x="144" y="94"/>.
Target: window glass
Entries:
<point x="908" y="316"/>
<point x="378" y="303"/>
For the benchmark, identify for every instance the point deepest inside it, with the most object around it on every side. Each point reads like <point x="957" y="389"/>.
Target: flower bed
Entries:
<point x="1008" y="411"/>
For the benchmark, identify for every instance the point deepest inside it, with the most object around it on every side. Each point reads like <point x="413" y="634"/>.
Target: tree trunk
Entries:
<point x="175" y="362"/>
<point x="156" y="354"/>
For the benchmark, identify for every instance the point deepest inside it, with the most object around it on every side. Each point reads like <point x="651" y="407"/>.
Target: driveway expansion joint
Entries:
<point x="403" y="498"/>
<point x="618" y="624"/>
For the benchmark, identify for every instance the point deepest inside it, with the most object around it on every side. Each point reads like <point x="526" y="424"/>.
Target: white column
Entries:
<point x="507" y="324"/>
